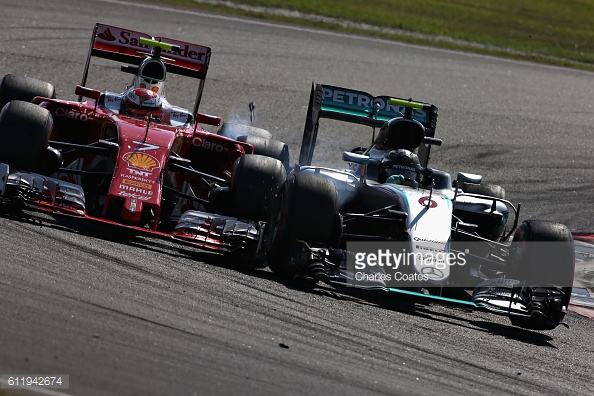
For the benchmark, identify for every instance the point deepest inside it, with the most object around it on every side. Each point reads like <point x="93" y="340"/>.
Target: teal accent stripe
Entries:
<point x="354" y="112"/>
<point x="469" y="304"/>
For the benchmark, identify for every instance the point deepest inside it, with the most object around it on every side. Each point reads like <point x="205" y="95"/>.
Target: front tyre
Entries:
<point x="543" y="257"/>
<point x="255" y="181"/>
<point x="306" y="209"/>
<point x="25" y="129"/>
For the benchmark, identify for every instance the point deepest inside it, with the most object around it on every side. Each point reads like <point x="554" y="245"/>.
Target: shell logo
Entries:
<point x="141" y="161"/>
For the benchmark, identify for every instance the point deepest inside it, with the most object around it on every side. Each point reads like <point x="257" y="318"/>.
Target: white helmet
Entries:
<point x="151" y="75"/>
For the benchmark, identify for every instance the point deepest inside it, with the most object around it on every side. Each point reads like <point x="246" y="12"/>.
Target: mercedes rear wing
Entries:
<point x="343" y="104"/>
<point x="123" y="45"/>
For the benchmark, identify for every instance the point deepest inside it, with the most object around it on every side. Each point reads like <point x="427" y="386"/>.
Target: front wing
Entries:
<point x="57" y="197"/>
<point x="499" y="296"/>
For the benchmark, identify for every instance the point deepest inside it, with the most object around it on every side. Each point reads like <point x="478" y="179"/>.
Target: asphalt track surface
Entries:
<point x="149" y="317"/>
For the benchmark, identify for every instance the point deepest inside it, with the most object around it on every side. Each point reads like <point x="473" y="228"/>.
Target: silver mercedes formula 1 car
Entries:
<point x="389" y="222"/>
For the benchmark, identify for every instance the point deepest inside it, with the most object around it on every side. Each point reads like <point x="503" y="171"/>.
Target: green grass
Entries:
<point x="557" y="32"/>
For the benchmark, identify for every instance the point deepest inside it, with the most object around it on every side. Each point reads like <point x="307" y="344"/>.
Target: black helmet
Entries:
<point x="401" y="133"/>
<point x="400" y="162"/>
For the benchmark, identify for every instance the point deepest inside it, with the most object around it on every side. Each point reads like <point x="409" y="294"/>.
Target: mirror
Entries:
<point x="464" y="177"/>
<point x="355" y="158"/>
<point x="207" y="119"/>
<point x="87" y="92"/>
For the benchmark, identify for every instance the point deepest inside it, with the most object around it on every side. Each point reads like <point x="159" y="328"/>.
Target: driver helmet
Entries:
<point x="140" y="102"/>
<point x="151" y="75"/>
<point x="400" y="162"/>
<point x="401" y="133"/>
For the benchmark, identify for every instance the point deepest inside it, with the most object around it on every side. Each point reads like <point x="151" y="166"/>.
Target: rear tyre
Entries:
<point x="490" y="230"/>
<point x="233" y="130"/>
<point x="24" y="134"/>
<point x="544" y="259"/>
<point x="269" y="148"/>
<point x="14" y="87"/>
<point x="306" y="209"/>
<point x="255" y="181"/>
<point x="490" y="190"/>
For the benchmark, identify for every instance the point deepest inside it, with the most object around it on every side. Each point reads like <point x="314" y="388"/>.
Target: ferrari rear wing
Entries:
<point x="359" y="107"/>
<point x="123" y="45"/>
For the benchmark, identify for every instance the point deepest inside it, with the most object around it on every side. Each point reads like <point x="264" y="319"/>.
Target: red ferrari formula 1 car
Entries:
<point x="132" y="158"/>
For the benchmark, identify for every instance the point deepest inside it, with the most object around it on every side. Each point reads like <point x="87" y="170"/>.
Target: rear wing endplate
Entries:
<point x="358" y="107"/>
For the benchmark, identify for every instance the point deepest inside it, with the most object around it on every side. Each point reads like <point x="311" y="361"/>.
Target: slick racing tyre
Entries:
<point x="269" y="148"/>
<point x="490" y="190"/>
<point x="234" y="130"/>
<point x="14" y="87"/>
<point x="543" y="257"/>
<point x="24" y="134"/>
<point x="306" y="209"/>
<point x="487" y="228"/>
<point x="255" y="181"/>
